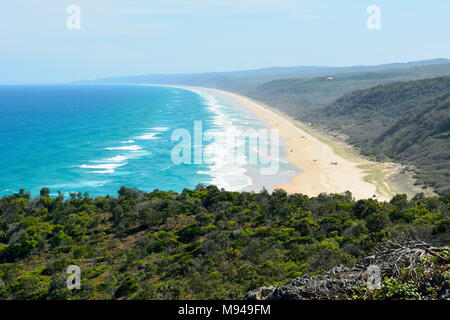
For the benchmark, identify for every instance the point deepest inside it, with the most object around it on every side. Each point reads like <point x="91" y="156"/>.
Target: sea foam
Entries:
<point x="226" y="161"/>
<point x="130" y="148"/>
<point x="160" y="128"/>
<point x="147" y="136"/>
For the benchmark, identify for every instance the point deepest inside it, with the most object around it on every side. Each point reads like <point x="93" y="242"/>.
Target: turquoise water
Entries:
<point x="97" y="138"/>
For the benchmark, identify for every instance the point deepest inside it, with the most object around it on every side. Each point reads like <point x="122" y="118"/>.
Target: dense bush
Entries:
<point x="204" y="243"/>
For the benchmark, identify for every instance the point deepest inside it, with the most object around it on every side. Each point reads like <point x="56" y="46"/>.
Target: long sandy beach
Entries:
<point x="323" y="171"/>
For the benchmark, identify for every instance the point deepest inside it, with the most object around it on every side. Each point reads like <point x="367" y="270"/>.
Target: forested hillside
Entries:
<point x="300" y="96"/>
<point x="421" y="137"/>
<point x="206" y="243"/>
<point x="404" y="121"/>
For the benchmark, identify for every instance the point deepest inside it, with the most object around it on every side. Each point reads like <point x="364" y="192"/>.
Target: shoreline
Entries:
<point x="324" y="170"/>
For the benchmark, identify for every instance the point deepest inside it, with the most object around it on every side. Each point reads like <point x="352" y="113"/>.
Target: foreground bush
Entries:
<point x="204" y="243"/>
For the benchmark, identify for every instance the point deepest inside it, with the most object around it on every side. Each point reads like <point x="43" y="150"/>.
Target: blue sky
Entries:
<point x="128" y="37"/>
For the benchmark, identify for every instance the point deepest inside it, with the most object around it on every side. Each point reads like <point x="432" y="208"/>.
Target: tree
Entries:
<point x="400" y="201"/>
<point x="377" y="222"/>
<point x="45" y="192"/>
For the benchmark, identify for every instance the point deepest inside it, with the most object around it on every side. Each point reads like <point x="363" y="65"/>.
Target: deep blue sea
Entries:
<point x="96" y="139"/>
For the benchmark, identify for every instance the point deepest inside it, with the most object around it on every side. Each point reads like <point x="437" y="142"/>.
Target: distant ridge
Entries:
<point x="297" y="96"/>
<point x="258" y="76"/>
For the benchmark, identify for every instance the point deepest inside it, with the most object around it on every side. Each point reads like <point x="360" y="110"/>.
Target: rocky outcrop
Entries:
<point x="343" y="283"/>
<point x="338" y="283"/>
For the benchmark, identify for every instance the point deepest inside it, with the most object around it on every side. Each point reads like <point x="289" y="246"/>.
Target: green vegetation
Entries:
<point x="417" y="282"/>
<point x="405" y="121"/>
<point x="298" y="97"/>
<point x="198" y="244"/>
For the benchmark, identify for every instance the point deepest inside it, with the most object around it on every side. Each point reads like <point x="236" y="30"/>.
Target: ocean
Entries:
<point x="97" y="138"/>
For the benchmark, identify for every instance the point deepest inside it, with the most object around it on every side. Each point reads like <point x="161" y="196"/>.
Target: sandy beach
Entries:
<point x="323" y="169"/>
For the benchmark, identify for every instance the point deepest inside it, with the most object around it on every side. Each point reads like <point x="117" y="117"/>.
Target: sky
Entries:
<point x="131" y="37"/>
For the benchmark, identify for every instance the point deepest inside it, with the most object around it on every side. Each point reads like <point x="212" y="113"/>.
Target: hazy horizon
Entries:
<point x="75" y="81"/>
